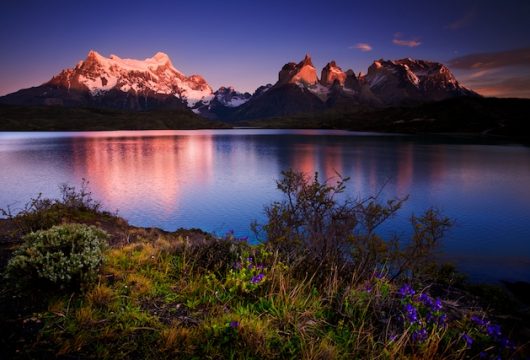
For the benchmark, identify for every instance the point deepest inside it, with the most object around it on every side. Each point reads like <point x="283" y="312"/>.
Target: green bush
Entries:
<point x="64" y="255"/>
<point x="318" y="226"/>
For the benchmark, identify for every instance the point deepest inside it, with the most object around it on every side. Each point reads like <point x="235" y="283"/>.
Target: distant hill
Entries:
<point x="472" y="115"/>
<point x="56" y="118"/>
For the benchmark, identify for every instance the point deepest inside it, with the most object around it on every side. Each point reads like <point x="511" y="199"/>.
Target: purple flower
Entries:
<point x="419" y="335"/>
<point x="234" y="324"/>
<point x="411" y="313"/>
<point x="257" y="278"/>
<point x="506" y="344"/>
<point x="406" y="290"/>
<point x="437" y="305"/>
<point x="249" y="259"/>
<point x="479" y="321"/>
<point x="237" y="266"/>
<point x="426" y="299"/>
<point x="468" y="339"/>
<point x="442" y="319"/>
<point x="494" y="330"/>
<point x="379" y="274"/>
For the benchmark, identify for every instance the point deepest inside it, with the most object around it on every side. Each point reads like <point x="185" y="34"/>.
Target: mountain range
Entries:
<point x="155" y="84"/>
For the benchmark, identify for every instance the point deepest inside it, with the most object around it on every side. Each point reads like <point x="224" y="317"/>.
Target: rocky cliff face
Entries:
<point x="303" y="73"/>
<point x="331" y="73"/>
<point x="408" y="80"/>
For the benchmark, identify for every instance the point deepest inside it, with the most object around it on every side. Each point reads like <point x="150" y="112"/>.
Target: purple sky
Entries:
<point x="245" y="43"/>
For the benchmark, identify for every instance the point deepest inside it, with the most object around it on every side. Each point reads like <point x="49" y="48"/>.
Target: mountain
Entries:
<point x="118" y="83"/>
<point x="221" y="106"/>
<point x="407" y="80"/>
<point x="155" y="84"/>
<point x="387" y="83"/>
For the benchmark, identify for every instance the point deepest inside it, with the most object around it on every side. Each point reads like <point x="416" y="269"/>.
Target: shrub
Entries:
<point x="318" y="225"/>
<point x="42" y="213"/>
<point x="216" y="255"/>
<point x="63" y="255"/>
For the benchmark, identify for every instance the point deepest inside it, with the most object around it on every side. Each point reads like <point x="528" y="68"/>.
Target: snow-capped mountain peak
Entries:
<point x="151" y="76"/>
<point x="229" y="97"/>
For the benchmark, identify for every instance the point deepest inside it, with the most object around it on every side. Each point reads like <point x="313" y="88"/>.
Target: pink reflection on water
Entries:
<point x="128" y="170"/>
<point x="405" y="169"/>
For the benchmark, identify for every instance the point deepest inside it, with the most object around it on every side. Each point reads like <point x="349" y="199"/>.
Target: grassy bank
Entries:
<point x="188" y="294"/>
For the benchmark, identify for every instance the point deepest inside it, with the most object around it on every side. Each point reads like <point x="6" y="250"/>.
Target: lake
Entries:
<point x="219" y="180"/>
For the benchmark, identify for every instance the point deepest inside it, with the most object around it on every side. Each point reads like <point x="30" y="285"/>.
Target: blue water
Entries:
<point x="220" y="179"/>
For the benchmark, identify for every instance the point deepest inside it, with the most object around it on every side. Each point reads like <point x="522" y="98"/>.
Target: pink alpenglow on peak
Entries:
<point x="303" y="73"/>
<point x="154" y="75"/>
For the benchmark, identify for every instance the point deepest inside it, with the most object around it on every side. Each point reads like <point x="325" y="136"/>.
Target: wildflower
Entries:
<point x="249" y="259"/>
<point x="437" y="305"/>
<point x="479" y="321"/>
<point x="234" y="324"/>
<point x="426" y="300"/>
<point x="468" y="339"/>
<point x="411" y="313"/>
<point x="419" y="335"/>
<point x="506" y="344"/>
<point x="237" y="266"/>
<point x="379" y="274"/>
<point x="494" y="330"/>
<point x="406" y="290"/>
<point x="368" y="287"/>
<point x="442" y="319"/>
<point x="256" y="279"/>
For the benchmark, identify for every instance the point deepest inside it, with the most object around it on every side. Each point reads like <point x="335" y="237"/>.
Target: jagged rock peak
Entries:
<point x="331" y="73"/>
<point x="306" y="61"/>
<point x="394" y="81"/>
<point x="303" y="73"/>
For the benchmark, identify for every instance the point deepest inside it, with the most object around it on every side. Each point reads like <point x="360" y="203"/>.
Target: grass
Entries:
<point x="152" y="301"/>
<point x="189" y="295"/>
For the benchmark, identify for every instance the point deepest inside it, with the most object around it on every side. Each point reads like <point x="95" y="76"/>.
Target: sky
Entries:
<point x="245" y="43"/>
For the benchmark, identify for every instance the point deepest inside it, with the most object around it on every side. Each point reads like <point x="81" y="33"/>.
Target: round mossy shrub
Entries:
<point x="63" y="255"/>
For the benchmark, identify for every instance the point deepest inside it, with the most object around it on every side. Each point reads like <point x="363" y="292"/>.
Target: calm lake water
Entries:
<point x="220" y="179"/>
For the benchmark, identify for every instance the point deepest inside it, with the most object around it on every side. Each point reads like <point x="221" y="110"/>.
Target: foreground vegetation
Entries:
<point x="321" y="285"/>
<point x="57" y="118"/>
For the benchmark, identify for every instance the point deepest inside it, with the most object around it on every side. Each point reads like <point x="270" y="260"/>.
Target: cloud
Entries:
<point x="409" y="43"/>
<point x="518" y="87"/>
<point x="493" y="60"/>
<point x="479" y="74"/>
<point x="505" y="81"/>
<point x="398" y="40"/>
<point x="462" y="22"/>
<point x="364" y="47"/>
